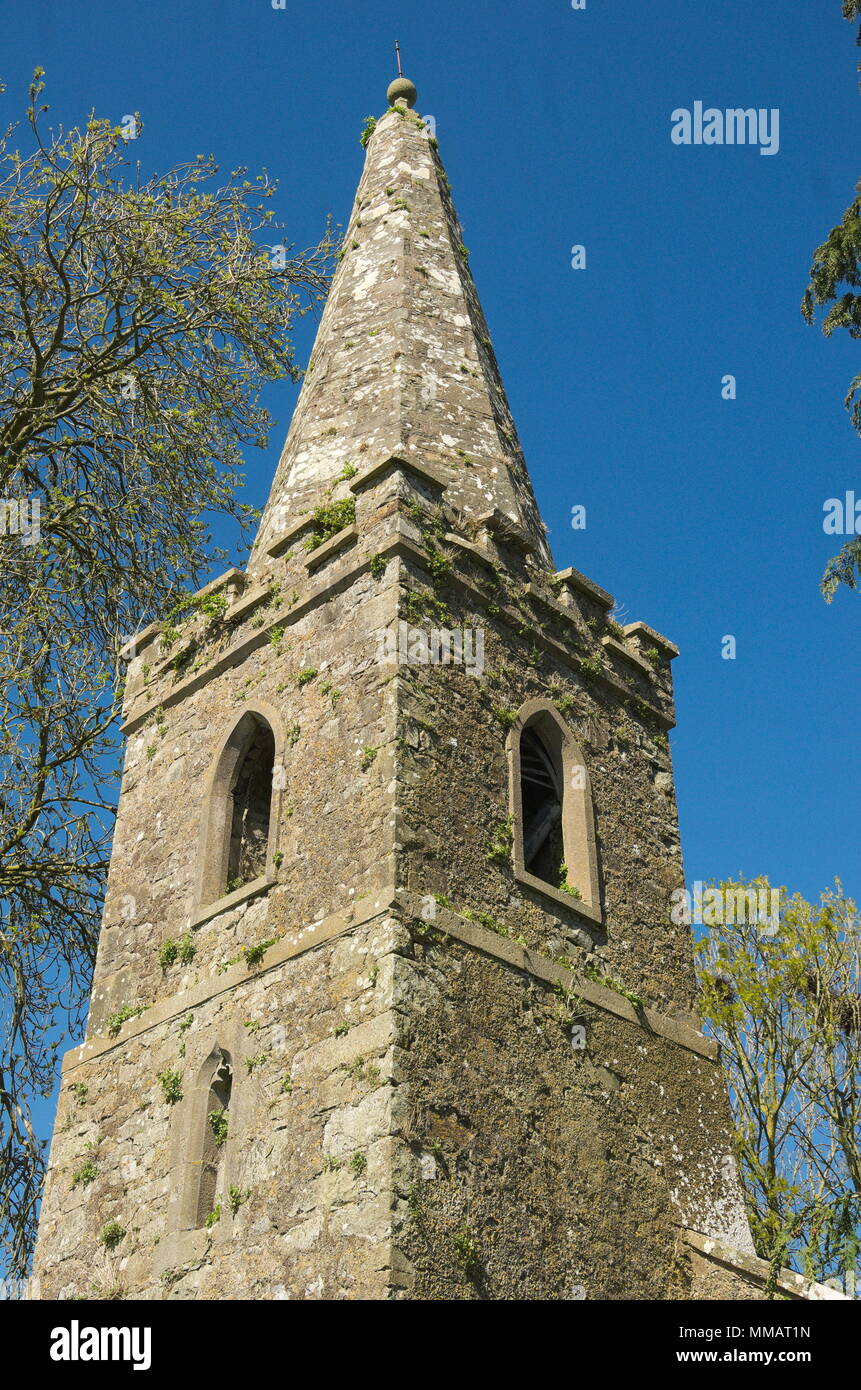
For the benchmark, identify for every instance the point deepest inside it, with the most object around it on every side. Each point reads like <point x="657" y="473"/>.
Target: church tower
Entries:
<point x="388" y="1000"/>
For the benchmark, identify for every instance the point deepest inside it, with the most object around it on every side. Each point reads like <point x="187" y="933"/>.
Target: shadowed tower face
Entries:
<point x="388" y="1001"/>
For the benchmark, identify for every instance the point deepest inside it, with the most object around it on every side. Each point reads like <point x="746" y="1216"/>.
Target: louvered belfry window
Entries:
<point x="541" y="790"/>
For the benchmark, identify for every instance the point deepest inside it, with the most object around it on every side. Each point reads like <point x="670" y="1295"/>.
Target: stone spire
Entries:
<point x="403" y="363"/>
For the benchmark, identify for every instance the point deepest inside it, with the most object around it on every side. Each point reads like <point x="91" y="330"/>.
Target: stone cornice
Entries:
<point x="496" y="523"/>
<point x="294" y="943"/>
<point x="232" y="578"/>
<point x="578" y="581"/>
<point x="297" y="942"/>
<point x="402" y="545"/>
<point x="625" y="654"/>
<point x="231" y="900"/>
<point x="333" y="546"/>
<point x="378" y="471"/>
<point x="667" y="648"/>
<point x="550" y="971"/>
<point x="758" y="1271"/>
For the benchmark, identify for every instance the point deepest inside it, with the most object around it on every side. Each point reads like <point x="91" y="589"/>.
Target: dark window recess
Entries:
<point x="217" y="1122"/>
<point x="252" y="800"/>
<point x="541" y="800"/>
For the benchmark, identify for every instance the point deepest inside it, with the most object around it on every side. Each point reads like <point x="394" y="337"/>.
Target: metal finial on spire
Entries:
<point x="401" y="89"/>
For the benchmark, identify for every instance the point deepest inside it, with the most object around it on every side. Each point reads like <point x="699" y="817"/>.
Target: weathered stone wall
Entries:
<point x="334" y="843"/>
<point x="335" y="814"/>
<point x="310" y="1164"/>
<point x="455" y="796"/>
<point x="710" y="1283"/>
<point x="563" y="1170"/>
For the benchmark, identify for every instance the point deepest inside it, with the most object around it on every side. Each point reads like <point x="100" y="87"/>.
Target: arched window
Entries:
<point x="216" y="1127"/>
<point x="200" y="1143"/>
<point x="240" y="813"/>
<point x="551" y="803"/>
<point x="252" y="808"/>
<point x="541" y="794"/>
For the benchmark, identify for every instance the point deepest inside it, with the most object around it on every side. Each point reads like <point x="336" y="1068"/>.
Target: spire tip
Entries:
<point x="401" y="89"/>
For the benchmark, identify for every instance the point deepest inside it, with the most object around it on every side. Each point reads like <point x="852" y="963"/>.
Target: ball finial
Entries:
<point x="402" y="90"/>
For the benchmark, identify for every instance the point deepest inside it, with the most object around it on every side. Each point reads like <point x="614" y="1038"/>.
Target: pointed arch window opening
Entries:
<point x="541" y="794"/>
<point x="240" y="810"/>
<point x="216" y="1121"/>
<point x="251" y="803"/>
<point x="554" y="843"/>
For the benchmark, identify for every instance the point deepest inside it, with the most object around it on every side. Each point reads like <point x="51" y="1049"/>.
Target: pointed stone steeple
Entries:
<point x="403" y="363"/>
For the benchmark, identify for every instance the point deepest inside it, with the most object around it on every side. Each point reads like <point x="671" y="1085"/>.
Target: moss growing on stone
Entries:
<point x="608" y="983"/>
<point x="218" y="1123"/>
<point x="565" y="887"/>
<point x="183" y="951"/>
<point x="255" y="954"/>
<point x="236" y="1197"/>
<point x="329" y="519"/>
<point x="87" y="1173"/>
<point x="111" y="1235"/>
<point x="590" y="666"/>
<point x="213" y="606"/>
<point x="486" y="920"/>
<point x="171" y="1085"/>
<point x="114" y="1022"/>
<point x="500" y="848"/>
<point x="466" y="1251"/>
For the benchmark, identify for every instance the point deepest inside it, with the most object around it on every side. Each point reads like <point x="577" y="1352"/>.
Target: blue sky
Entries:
<point x="704" y="516"/>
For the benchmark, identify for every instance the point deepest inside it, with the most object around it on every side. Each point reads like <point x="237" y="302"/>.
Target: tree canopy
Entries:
<point x="784" y="1002"/>
<point x="835" y="277"/>
<point x="139" y="319"/>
